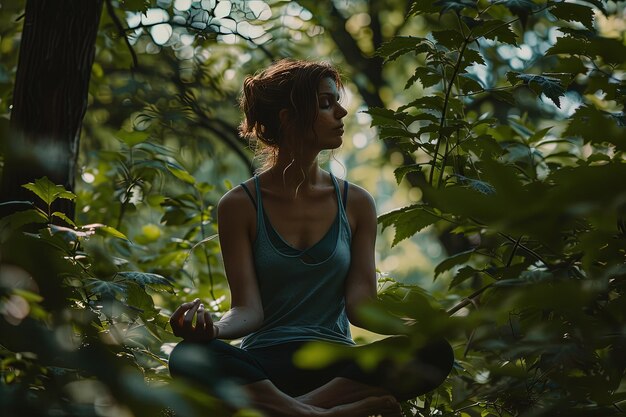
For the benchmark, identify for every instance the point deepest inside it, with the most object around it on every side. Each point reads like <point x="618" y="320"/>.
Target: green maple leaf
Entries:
<point x="48" y="191"/>
<point x="407" y="221"/>
<point x="572" y="12"/>
<point x="550" y="86"/>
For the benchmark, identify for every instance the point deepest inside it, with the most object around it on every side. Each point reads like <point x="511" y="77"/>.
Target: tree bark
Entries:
<point x="50" y="97"/>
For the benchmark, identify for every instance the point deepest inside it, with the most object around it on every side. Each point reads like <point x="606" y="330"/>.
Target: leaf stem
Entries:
<point x="469" y="299"/>
<point x="204" y="249"/>
<point x="120" y="29"/>
<point x="488" y="90"/>
<point x="446" y="100"/>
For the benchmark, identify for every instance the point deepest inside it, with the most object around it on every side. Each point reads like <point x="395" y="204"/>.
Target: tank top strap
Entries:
<point x="341" y="204"/>
<point x="260" y="217"/>
<point x="247" y="190"/>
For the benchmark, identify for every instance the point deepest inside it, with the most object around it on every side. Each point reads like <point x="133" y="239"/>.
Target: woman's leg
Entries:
<point x="220" y="368"/>
<point x="340" y="391"/>
<point x="266" y="397"/>
<point x="213" y="361"/>
<point x="425" y="371"/>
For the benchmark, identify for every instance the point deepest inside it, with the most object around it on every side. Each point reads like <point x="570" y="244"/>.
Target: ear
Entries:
<point x="283" y="116"/>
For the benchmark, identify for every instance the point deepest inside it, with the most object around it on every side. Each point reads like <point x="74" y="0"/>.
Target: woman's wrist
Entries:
<point x="216" y="331"/>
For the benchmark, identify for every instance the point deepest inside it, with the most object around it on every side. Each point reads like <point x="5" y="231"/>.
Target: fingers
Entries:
<point x="204" y="330"/>
<point x="208" y="320"/>
<point x="182" y="322"/>
<point x="176" y="319"/>
<point x="200" y="329"/>
<point x="180" y="311"/>
<point x="189" y="316"/>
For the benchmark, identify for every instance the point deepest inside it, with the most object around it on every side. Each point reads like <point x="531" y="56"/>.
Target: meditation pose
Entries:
<point x="298" y="251"/>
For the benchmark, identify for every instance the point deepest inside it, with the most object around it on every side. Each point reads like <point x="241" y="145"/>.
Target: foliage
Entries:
<point x="91" y="321"/>
<point x="533" y="301"/>
<point x="537" y="301"/>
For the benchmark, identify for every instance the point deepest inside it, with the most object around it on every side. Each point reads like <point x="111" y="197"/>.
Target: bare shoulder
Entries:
<point x="359" y="199"/>
<point x="361" y="209"/>
<point x="237" y="203"/>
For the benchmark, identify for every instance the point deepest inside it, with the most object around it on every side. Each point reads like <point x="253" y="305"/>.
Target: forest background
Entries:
<point x="491" y="134"/>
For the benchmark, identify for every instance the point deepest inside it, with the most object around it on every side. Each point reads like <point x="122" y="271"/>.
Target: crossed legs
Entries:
<point x="266" y="397"/>
<point x="345" y="391"/>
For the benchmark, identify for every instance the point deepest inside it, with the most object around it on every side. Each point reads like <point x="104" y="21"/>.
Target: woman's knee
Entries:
<point x="192" y="360"/>
<point x="438" y="358"/>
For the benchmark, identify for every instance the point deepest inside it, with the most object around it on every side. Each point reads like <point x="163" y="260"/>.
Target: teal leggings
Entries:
<point x="212" y="362"/>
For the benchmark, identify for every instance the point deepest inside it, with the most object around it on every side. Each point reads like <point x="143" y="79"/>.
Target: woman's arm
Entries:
<point x="361" y="280"/>
<point x="236" y="219"/>
<point x="237" y="226"/>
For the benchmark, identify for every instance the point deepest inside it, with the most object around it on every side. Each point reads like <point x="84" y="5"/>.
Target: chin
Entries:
<point x="335" y="145"/>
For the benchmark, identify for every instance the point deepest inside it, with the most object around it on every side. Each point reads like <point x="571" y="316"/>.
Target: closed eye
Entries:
<point x="327" y="100"/>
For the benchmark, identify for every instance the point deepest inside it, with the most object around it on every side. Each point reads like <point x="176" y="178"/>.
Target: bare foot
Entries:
<point x="265" y="397"/>
<point x="385" y="406"/>
<point x="340" y="391"/>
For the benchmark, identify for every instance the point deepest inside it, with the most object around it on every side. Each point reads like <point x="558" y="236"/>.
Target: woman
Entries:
<point x="298" y="250"/>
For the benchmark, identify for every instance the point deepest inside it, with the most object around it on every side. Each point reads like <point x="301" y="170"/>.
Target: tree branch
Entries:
<point x="121" y="31"/>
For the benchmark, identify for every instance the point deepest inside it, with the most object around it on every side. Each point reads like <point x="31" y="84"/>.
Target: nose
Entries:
<point x="340" y="112"/>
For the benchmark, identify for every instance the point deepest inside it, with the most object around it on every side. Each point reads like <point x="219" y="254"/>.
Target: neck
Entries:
<point x="294" y="174"/>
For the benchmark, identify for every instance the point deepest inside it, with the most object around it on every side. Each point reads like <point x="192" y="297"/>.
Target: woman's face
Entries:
<point x="328" y="126"/>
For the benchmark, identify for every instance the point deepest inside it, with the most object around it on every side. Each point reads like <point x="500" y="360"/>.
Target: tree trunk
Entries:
<point x="50" y="97"/>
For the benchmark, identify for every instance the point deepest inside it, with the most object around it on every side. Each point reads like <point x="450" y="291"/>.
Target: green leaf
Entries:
<point x="573" y="12"/>
<point x="48" y="191"/>
<point x="452" y="261"/>
<point x="71" y="234"/>
<point x="106" y="288"/>
<point x="132" y="138"/>
<point x="382" y="117"/>
<point x="407" y="221"/>
<point x="16" y="220"/>
<point x="427" y="76"/>
<point x="401" y="172"/>
<point x="451" y="39"/>
<point x="495" y="30"/>
<point x="401" y="45"/>
<point x="137" y="297"/>
<point x="103" y="229"/>
<point x="585" y="122"/>
<point x="539" y="134"/>
<point x="572" y="65"/>
<point x="63" y="217"/>
<point x="462" y="275"/>
<point x="180" y="173"/>
<point x="485" y="146"/>
<point x="480" y="186"/>
<point x="612" y="51"/>
<point x="503" y="95"/>
<point x="569" y="45"/>
<point x="423" y="6"/>
<point x="550" y="86"/>
<point x="144" y="279"/>
<point x="471" y="57"/>
<point x="518" y="6"/>
<point x="434" y="103"/>
<point x="455" y="5"/>
<point x="390" y="132"/>
<point x="469" y="84"/>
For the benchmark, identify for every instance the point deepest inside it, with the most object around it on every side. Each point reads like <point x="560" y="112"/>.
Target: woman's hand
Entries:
<point x="183" y="325"/>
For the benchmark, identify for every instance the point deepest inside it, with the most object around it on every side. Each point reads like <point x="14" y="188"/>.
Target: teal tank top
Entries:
<point x="302" y="291"/>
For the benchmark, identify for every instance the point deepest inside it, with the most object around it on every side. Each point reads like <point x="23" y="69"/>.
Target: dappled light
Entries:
<point x="490" y="134"/>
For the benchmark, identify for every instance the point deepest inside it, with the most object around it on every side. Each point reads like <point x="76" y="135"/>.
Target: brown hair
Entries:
<point x="286" y="84"/>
